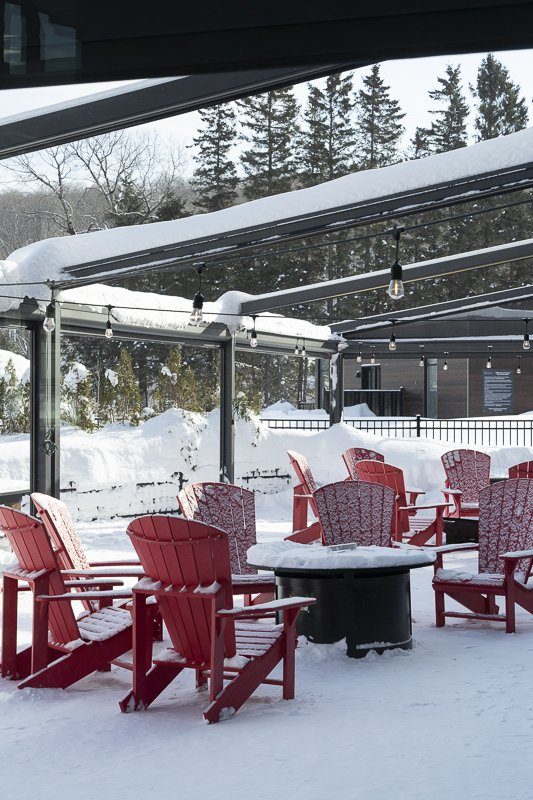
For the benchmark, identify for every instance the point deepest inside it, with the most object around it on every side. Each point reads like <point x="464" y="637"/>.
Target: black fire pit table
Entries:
<point x="363" y="593"/>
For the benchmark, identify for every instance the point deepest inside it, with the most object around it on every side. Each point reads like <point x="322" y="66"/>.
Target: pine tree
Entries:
<point x="500" y="109"/>
<point x="271" y="127"/>
<point x="420" y="144"/>
<point x="166" y="394"/>
<point x="326" y="146"/>
<point x="448" y="129"/>
<point x="379" y="123"/>
<point x="215" y="178"/>
<point x="127" y="394"/>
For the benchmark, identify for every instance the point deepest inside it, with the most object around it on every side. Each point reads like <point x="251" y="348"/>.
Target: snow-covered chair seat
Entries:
<point x="505" y="558"/>
<point x="467" y="473"/>
<point x="232" y="509"/>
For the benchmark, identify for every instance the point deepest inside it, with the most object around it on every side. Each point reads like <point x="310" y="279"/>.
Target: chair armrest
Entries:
<point x="422" y="508"/>
<point x="453" y="492"/>
<point x="261" y="609"/>
<point x="134" y="572"/>
<point x="123" y="594"/>
<point x="454" y="548"/>
<point x="517" y="554"/>
<point x="131" y="562"/>
<point x="414" y="490"/>
<point x="89" y="583"/>
<point x="307" y="535"/>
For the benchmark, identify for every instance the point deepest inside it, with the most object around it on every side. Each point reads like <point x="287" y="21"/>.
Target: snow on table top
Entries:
<point x="51" y="258"/>
<point x="291" y="555"/>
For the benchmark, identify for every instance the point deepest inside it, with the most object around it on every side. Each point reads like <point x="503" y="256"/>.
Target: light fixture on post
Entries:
<point x="392" y="341"/>
<point x="359" y="354"/>
<point x="422" y="358"/>
<point x="489" y="359"/>
<point x="372" y="357"/>
<point x="108" y="328"/>
<point x="445" y="365"/>
<point x="518" y="367"/>
<point x="253" y="334"/>
<point x="526" y="344"/>
<point x="198" y="300"/>
<point x="396" y="290"/>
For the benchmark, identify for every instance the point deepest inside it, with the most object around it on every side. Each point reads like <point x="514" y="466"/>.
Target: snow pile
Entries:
<point x="282" y="409"/>
<point x="78" y="373"/>
<point x="20" y="364"/>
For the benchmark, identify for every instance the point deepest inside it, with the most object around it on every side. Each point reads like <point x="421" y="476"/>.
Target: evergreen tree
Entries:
<point x="500" y="109"/>
<point x="166" y="394"/>
<point x="127" y="394"/>
<point x="271" y="126"/>
<point x="420" y="144"/>
<point x="448" y="129"/>
<point x="215" y="178"/>
<point x="379" y="123"/>
<point x="327" y="142"/>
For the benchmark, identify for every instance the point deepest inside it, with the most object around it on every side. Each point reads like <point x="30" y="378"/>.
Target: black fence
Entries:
<point x="382" y="402"/>
<point x="489" y="431"/>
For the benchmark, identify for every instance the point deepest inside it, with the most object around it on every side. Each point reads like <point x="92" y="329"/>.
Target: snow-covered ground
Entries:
<point x="452" y="718"/>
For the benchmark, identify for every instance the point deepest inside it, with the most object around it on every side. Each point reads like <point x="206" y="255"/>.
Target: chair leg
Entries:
<point x="289" y="660"/>
<point x="510" y="612"/>
<point x="440" y="619"/>
<point x="9" y="628"/>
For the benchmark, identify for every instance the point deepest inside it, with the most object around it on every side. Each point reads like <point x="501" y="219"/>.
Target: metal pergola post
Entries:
<point x="44" y="407"/>
<point x="227" y="396"/>
<point x="336" y="388"/>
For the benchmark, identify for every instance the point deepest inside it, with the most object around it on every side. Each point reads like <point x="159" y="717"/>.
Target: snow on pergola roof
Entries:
<point x="362" y="196"/>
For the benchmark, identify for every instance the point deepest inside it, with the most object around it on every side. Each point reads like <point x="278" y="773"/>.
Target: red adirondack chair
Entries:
<point x="63" y="649"/>
<point x="354" y="455"/>
<point x="523" y="470"/>
<point x="356" y="511"/>
<point x="417" y="530"/>
<point x="232" y="509"/>
<point x="467" y="473"/>
<point x="505" y="558"/>
<point x="188" y="570"/>
<point x="303" y="500"/>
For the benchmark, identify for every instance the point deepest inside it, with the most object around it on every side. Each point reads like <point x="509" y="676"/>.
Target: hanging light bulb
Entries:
<point x="359" y="355"/>
<point x="392" y="341"/>
<point x="49" y="323"/>
<point x="518" y="367"/>
<point x="445" y="365"/>
<point x="396" y="290"/>
<point x="197" y="317"/>
<point x="253" y="334"/>
<point x="489" y="359"/>
<point x="421" y="359"/>
<point x="303" y="352"/>
<point x="296" y="348"/>
<point x="372" y="357"/>
<point x="108" y="328"/>
<point x="526" y="344"/>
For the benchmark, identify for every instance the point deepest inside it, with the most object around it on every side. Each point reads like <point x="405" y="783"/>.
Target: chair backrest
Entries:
<point x="35" y="553"/>
<point x="505" y="522"/>
<point x="523" y="470"/>
<point x="387" y="475"/>
<point x="356" y="511"/>
<point x="228" y="507"/>
<point x="186" y="555"/>
<point x="60" y="528"/>
<point x="467" y="470"/>
<point x="303" y="473"/>
<point x="354" y="455"/>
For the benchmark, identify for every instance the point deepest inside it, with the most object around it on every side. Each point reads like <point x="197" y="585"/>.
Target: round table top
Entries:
<point x="283" y="555"/>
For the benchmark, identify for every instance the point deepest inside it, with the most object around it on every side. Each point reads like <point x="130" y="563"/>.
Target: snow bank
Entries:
<point x="285" y="410"/>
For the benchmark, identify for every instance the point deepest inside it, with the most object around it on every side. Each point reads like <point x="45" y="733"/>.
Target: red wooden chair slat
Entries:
<point x="188" y="564"/>
<point x="54" y="663"/>
<point x="467" y="471"/>
<point x="505" y="526"/>
<point x="356" y="511"/>
<point x="523" y="470"/>
<point x="353" y="455"/>
<point x="303" y="499"/>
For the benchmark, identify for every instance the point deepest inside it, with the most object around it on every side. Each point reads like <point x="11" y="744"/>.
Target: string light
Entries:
<point x="49" y="323"/>
<point x="518" y="367"/>
<point x="303" y="351"/>
<point x="296" y="348"/>
<point x="197" y="317"/>
<point x="359" y="354"/>
<point x="109" y="328"/>
<point x="372" y="357"/>
<point x="489" y="359"/>
<point x="396" y="290"/>
<point x="253" y="334"/>
<point x="526" y="344"/>
<point x="422" y="356"/>
<point x="445" y="365"/>
<point x="392" y="341"/>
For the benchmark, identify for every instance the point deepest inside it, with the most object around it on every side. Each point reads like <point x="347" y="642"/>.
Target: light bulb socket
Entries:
<point x="108" y="330"/>
<point x="49" y="323"/>
<point x="392" y="342"/>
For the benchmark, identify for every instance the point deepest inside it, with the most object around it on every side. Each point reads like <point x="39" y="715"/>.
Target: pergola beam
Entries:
<point x="369" y="281"/>
<point x="422" y="313"/>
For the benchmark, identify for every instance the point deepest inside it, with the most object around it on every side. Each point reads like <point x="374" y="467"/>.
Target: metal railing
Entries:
<point x="490" y="431"/>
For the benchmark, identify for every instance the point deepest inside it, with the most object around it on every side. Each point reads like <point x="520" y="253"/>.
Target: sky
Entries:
<point x="410" y="80"/>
